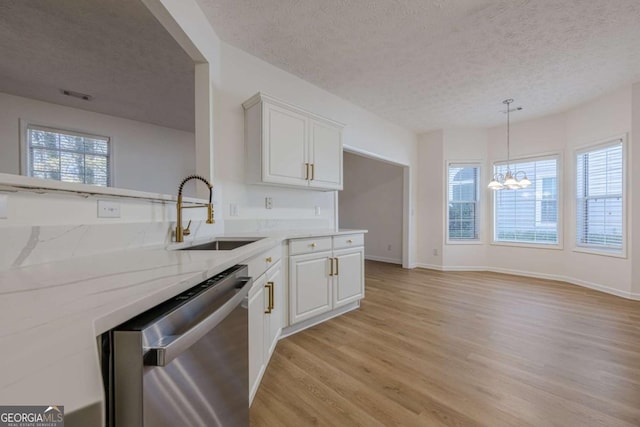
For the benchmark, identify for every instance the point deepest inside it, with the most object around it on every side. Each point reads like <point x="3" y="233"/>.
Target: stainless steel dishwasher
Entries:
<point x="184" y="362"/>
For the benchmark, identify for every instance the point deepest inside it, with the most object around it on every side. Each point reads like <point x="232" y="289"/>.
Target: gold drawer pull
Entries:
<point x="268" y="259"/>
<point x="349" y="241"/>
<point x="313" y="245"/>
<point x="269" y="309"/>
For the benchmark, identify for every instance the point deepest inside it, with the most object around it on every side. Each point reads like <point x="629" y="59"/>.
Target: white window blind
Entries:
<point x="528" y="215"/>
<point x="463" y="197"/>
<point x="599" y="204"/>
<point x="68" y="156"/>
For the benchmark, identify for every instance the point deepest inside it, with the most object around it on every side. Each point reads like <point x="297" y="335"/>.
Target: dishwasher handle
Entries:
<point x="170" y="347"/>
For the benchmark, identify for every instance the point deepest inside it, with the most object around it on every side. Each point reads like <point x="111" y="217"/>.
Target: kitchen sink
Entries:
<point x="221" y="245"/>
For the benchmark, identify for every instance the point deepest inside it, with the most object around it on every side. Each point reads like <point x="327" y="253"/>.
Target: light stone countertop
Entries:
<point x="51" y="314"/>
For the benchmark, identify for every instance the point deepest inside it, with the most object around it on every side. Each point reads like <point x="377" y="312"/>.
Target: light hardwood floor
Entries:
<point x="430" y="348"/>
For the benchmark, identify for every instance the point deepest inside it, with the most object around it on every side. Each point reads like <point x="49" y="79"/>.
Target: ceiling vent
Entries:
<point x="78" y="95"/>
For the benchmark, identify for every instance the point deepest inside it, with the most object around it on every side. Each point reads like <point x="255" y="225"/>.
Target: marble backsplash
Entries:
<point x="25" y="245"/>
<point x="28" y="245"/>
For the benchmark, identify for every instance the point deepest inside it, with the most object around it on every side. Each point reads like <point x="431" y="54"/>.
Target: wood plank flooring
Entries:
<point x="430" y="348"/>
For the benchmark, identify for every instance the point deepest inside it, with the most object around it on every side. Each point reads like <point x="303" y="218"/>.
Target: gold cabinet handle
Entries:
<point x="331" y="267"/>
<point x="272" y="299"/>
<point x="313" y="245"/>
<point x="306" y="171"/>
<point x="268" y="259"/>
<point x="349" y="241"/>
<point x="313" y="171"/>
<point x="269" y="309"/>
<point x="337" y="266"/>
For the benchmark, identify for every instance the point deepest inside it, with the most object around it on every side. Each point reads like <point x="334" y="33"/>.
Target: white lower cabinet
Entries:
<point x="266" y="301"/>
<point x="348" y="279"/>
<point x="275" y="319"/>
<point x="309" y="285"/>
<point x="324" y="274"/>
<point x="256" y="335"/>
<point x="323" y="281"/>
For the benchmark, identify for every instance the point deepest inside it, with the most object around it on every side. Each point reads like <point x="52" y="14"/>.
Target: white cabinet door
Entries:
<point x="326" y="156"/>
<point x="256" y="335"/>
<point x="285" y="142"/>
<point x="274" y="320"/>
<point x="348" y="280"/>
<point x="309" y="285"/>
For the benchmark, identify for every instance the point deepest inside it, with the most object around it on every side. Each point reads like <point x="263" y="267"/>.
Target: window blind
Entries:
<point x="528" y="215"/>
<point x="68" y="156"/>
<point x="463" y="197"/>
<point x="599" y="204"/>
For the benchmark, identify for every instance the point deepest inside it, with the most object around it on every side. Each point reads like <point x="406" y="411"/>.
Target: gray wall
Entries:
<point x="372" y="199"/>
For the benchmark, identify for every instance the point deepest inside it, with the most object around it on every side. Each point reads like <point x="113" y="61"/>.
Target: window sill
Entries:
<point x="464" y="242"/>
<point x="601" y="252"/>
<point x="555" y="247"/>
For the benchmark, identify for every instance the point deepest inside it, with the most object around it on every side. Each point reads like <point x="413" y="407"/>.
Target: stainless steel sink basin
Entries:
<point x="221" y="245"/>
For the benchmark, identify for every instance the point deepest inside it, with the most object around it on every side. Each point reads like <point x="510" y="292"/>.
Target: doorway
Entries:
<point x="373" y="198"/>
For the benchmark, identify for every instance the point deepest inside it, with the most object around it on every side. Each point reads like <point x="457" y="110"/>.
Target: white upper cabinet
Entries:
<point x="289" y="146"/>
<point x="284" y="155"/>
<point x="326" y="156"/>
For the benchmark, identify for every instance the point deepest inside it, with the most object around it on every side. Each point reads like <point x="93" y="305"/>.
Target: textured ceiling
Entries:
<point x="428" y="64"/>
<point x="114" y="50"/>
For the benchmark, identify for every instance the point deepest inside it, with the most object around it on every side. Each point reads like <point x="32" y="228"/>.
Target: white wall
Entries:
<point x="634" y="200"/>
<point x="602" y="118"/>
<point x="146" y="157"/>
<point x="430" y="199"/>
<point x="466" y="145"/>
<point x="242" y="75"/>
<point x="372" y="199"/>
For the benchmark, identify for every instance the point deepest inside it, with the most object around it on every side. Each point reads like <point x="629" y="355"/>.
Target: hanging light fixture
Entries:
<point x="510" y="179"/>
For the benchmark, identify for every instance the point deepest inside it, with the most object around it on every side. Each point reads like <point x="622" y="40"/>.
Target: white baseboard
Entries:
<point x="429" y="266"/>
<point x="567" y="279"/>
<point x="602" y="288"/>
<point x="382" y="259"/>
<point x="524" y="273"/>
<point x="451" y="268"/>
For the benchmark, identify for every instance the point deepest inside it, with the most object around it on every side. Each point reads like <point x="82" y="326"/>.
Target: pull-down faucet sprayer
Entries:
<point x="181" y="232"/>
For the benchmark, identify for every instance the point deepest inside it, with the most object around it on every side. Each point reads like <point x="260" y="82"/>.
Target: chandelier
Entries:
<point x="509" y="180"/>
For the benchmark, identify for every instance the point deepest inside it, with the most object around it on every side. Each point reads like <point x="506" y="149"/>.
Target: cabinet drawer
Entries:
<point x="306" y="246"/>
<point x="260" y="263"/>
<point x="348" y="241"/>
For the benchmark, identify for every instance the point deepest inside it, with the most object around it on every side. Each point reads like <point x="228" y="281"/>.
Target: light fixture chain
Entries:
<point x="509" y="180"/>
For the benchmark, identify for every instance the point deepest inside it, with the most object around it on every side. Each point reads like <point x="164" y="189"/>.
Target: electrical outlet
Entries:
<point x="108" y="209"/>
<point x="4" y="206"/>
<point x="317" y="208"/>
<point x="268" y="202"/>
<point x="435" y="252"/>
<point x="233" y="209"/>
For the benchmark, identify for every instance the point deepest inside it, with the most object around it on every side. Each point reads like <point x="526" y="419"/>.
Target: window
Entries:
<point x="67" y="156"/>
<point x="549" y="202"/>
<point x="463" y="198"/>
<point x="600" y="198"/>
<point x="528" y="215"/>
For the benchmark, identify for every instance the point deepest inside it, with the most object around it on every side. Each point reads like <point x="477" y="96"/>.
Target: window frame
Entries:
<point x="479" y="166"/>
<point x="559" y="245"/>
<point x="595" y="249"/>
<point x="25" y="169"/>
